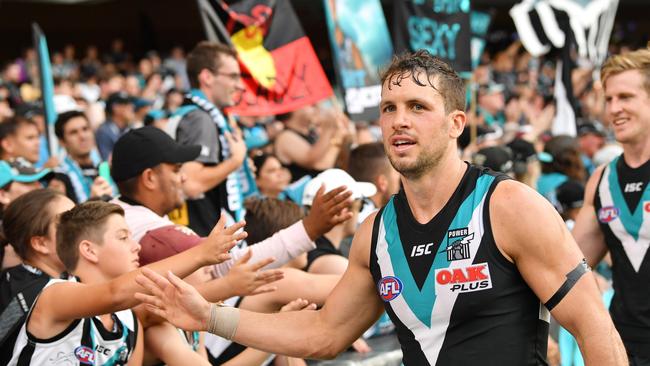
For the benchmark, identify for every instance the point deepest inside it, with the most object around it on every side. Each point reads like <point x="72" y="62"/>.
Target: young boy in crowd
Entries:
<point x="94" y="243"/>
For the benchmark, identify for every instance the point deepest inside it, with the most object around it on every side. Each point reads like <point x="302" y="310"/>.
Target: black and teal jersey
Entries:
<point x="453" y="297"/>
<point x="622" y="203"/>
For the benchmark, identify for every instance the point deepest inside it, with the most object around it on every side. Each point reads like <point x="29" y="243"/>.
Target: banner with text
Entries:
<point x="441" y="27"/>
<point x="361" y="45"/>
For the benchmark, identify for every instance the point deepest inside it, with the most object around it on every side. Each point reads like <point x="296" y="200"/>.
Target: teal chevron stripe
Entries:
<point x="631" y="220"/>
<point x="422" y="302"/>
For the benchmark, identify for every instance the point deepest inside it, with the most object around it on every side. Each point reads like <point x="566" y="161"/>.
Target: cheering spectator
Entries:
<point x="304" y="151"/>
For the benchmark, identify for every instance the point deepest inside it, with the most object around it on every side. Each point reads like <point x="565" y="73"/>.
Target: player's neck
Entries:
<point x="636" y="153"/>
<point x="428" y="194"/>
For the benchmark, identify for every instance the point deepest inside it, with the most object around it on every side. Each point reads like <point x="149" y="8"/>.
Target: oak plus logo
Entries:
<point x="471" y="278"/>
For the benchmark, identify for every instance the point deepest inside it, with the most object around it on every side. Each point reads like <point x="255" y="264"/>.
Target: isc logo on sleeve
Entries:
<point x="463" y="279"/>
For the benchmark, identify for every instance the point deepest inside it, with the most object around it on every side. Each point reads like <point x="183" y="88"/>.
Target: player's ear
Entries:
<point x="89" y="251"/>
<point x="457" y="120"/>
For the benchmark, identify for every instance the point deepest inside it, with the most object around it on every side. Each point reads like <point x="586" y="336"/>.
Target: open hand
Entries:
<point x="247" y="279"/>
<point x="221" y="240"/>
<point x="174" y="299"/>
<point x="327" y="211"/>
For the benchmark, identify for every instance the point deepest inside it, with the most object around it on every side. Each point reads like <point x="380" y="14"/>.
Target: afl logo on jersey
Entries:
<point x="389" y="288"/>
<point x="608" y="214"/>
<point x="85" y="355"/>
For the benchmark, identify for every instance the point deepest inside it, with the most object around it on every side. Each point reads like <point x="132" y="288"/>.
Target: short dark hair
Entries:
<point x="367" y="161"/>
<point x="63" y="118"/>
<point x="265" y="216"/>
<point x="413" y="64"/>
<point x="85" y="221"/>
<point x="11" y="125"/>
<point x="27" y="216"/>
<point x="204" y="56"/>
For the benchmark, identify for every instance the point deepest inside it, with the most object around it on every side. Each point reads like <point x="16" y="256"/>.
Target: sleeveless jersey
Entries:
<point x="622" y="204"/>
<point x="453" y="297"/>
<point x="84" y="342"/>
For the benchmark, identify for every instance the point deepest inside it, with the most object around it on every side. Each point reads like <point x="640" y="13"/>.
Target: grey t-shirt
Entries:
<point x="198" y="128"/>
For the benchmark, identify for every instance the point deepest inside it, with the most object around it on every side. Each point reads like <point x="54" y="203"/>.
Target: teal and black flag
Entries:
<point x="47" y="86"/>
<point x="440" y="27"/>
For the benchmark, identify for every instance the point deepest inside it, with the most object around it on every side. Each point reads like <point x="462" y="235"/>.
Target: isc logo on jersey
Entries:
<point x="608" y="214"/>
<point x="463" y="279"/>
<point x="85" y="355"/>
<point x="389" y="288"/>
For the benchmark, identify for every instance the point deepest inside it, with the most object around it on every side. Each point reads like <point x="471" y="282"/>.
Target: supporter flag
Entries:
<point x="441" y="27"/>
<point x="280" y="70"/>
<point x="564" y="25"/>
<point x="47" y="86"/>
<point x="479" y="24"/>
<point x="361" y="45"/>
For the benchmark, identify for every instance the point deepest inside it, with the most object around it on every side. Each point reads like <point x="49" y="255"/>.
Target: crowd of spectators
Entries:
<point x="112" y="109"/>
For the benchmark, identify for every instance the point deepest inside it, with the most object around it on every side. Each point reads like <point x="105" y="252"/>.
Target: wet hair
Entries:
<point x="424" y="68"/>
<point x="265" y="216"/>
<point x="86" y="221"/>
<point x="28" y="216"/>
<point x="204" y="56"/>
<point x="635" y="60"/>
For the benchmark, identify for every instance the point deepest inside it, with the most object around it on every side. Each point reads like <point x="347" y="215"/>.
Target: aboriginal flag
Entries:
<point x="279" y="67"/>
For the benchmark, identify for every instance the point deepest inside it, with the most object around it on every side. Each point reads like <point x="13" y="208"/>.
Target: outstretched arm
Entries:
<point x="530" y="233"/>
<point x="53" y="313"/>
<point x="351" y="308"/>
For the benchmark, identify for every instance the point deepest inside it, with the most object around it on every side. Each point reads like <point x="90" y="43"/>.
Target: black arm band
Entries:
<point x="571" y="279"/>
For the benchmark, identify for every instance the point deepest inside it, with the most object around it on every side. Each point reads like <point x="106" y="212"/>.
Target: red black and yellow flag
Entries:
<point x="279" y="67"/>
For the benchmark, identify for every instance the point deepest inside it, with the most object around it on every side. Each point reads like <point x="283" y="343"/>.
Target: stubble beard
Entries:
<point x="425" y="162"/>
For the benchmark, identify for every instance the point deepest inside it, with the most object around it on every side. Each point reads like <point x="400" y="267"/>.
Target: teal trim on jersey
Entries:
<point x="631" y="220"/>
<point x="422" y="302"/>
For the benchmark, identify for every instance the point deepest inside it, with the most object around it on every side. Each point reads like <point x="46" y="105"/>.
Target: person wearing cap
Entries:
<point x="562" y="162"/>
<point x="120" y="115"/>
<point x="526" y="160"/>
<point x="327" y="257"/>
<point x="491" y="104"/>
<point x="19" y="177"/>
<point x="614" y="217"/>
<point x="81" y="161"/>
<point x="591" y="138"/>
<point x="147" y="169"/>
<point x="497" y="158"/>
<point x="459" y="258"/>
<point x="215" y="182"/>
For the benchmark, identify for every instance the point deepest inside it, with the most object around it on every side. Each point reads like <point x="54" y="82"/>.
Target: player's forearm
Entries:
<point x="602" y="346"/>
<point x="296" y="333"/>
